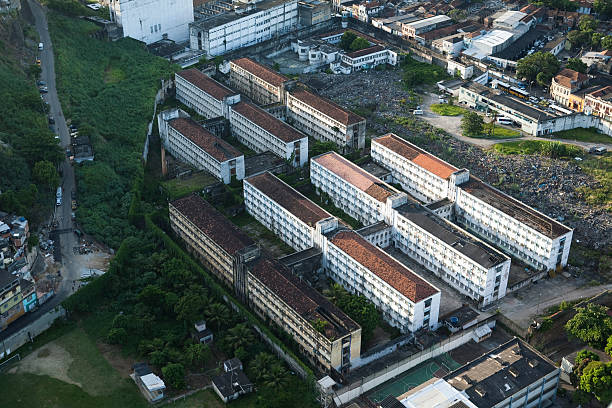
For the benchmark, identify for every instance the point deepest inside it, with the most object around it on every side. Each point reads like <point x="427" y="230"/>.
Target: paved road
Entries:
<point x="70" y="271"/>
<point x="452" y="125"/>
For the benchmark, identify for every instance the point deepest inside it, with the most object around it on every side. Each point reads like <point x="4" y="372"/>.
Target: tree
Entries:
<point x="606" y="42"/>
<point x="457" y="15"/>
<point x="608" y="348"/>
<point x="587" y="23"/>
<point x="472" y="124"/>
<point x="217" y="314"/>
<point x="538" y="62"/>
<point x="239" y="336"/>
<point x="359" y="43"/>
<point x="117" y="336"/>
<point x="578" y="38"/>
<point x="174" y="374"/>
<point x="584" y="354"/>
<point x="543" y="79"/>
<point x="196" y="354"/>
<point x="189" y="307"/>
<point x="261" y="364"/>
<point x="591" y="324"/>
<point x="597" y="379"/>
<point x="576" y="64"/>
<point x="603" y="7"/>
<point x="596" y="39"/>
<point x="275" y="377"/>
<point x="346" y="40"/>
<point x="44" y="174"/>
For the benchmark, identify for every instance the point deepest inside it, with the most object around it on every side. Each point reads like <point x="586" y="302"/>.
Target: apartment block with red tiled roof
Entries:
<point x="352" y="189"/>
<point x="406" y="300"/>
<point x="566" y="83"/>
<point x="262" y="132"/>
<point x="189" y="142"/>
<point x="203" y="94"/>
<point x="328" y="337"/>
<point x="294" y="218"/>
<point x="260" y="83"/>
<point x="325" y="121"/>
<point x="219" y="245"/>
<point x="420" y="173"/>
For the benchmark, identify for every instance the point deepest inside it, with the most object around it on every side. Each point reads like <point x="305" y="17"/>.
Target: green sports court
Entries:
<point x="414" y="377"/>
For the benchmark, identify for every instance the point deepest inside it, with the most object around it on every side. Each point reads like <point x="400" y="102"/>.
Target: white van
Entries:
<point x="504" y="121"/>
<point x="40" y="46"/>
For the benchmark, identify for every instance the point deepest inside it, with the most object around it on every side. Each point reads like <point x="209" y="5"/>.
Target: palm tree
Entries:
<point x="217" y="314"/>
<point x="276" y="377"/>
<point x="261" y="364"/>
<point x="239" y="336"/>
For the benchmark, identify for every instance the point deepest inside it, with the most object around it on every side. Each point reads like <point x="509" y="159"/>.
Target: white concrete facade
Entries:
<point x="187" y="150"/>
<point x="541" y="251"/>
<point x="370" y="58"/>
<point x="365" y="198"/>
<point x="203" y="94"/>
<point x="325" y="121"/>
<point x="149" y="20"/>
<point x="289" y="227"/>
<point x="467" y="274"/>
<point x="430" y="180"/>
<point x="398" y="310"/>
<point x="263" y="132"/>
<point x="227" y="32"/>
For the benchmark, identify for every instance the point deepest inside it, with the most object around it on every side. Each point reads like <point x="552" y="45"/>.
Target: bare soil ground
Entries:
<point x="113" y="355"/>
<point x="51" y="360"/>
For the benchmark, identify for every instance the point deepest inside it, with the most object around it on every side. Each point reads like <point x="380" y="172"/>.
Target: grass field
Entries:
<point x="48" y="377"/>
<point x="498" y="133"/>
<point x="552" y="149"/>
<point x="177" y="188"/>
<point x="583" y="135"/>
<point x="447" y="110"/>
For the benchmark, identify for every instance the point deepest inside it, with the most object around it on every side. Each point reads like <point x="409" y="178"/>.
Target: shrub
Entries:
<point x="584" y="354"/>
<point x="592" y="325"/>
<point x="546" y="324"/>
<point x="117" y="335"/>
<point x="174" y="374"/>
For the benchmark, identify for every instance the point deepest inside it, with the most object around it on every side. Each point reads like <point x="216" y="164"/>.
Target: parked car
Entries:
<point x="40" y="46"/>
<point x="74" y="205"/>
<point x="51" y="120"/>
<point x="41" y="83"/>
<point x="417" y="112"/>
<point x="43" y="89"/>
<point x="597" y="150"/>
<point x="38" y="61"/>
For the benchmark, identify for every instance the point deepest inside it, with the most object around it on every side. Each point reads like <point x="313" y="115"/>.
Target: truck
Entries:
<point x="58" y="196"/>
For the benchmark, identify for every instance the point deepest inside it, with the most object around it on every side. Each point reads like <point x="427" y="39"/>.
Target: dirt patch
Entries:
<point x="112" y="354"/>
<point x="52" y="360"/>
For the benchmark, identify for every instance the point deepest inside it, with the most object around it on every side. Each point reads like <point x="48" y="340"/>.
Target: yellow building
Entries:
<point x="11" y="298"/>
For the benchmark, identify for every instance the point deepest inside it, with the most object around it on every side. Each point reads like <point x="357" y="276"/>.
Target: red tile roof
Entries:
<point x="211" y="144"/>
<point x="416" y="155"/>
<point x="288" y="198"/>
<point x="568" y="76"/>
<point x="268" y="122"/>
<point x="261" y="71"/>
<point x="366" y="51"/>
<point x="305" y="300"/>
<point x="327" y="107"/>
<point x="356" y="176"/>
<point x="212" y="223"/>
<point x="384" y="266"/>
<point x="206" y="83"/>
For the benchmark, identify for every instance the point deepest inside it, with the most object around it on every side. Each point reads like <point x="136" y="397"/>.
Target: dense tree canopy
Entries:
<point x="356" y="307"/>
<point x="597" y="379"/>
<point x="592" y="325"/>
<point x="577" y="65"/>
<point x="539" y="62"/>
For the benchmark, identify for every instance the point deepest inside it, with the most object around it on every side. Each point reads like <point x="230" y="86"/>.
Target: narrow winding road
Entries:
<point x="70" y="271"/>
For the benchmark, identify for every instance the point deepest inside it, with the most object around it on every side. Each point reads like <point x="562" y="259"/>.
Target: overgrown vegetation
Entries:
<point x="417" y="73"/>
<point x="584" y="135"/>
<point x="113" y="114"/>
<point x="600" y="168"/>
<point x="555" y="150"/>
<point x="26" y="143"/>
<point x="357" y="308"/>
<point x="351" y="42"/>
